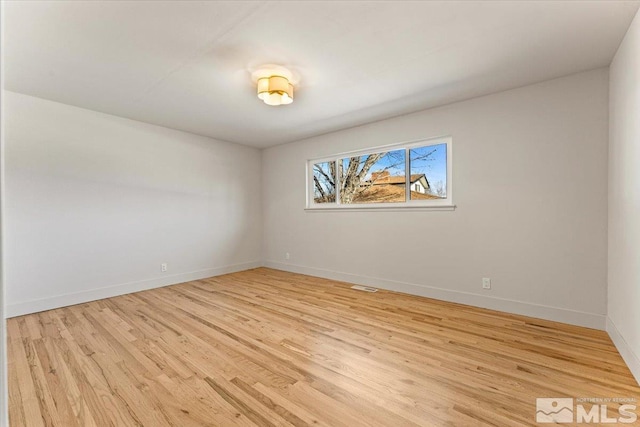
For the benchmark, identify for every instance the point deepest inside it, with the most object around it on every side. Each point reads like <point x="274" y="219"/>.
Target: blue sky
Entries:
<point x="434" y="166"/>
<point x="393" y="161"/>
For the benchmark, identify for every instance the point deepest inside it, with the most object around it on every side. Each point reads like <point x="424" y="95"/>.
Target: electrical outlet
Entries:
<point x="163" y="267"/>
<point x="287" y="256"/>
<point x="486" y="283"/>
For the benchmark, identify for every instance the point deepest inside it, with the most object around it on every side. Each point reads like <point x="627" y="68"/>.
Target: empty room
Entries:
<point x="320" y="213"/>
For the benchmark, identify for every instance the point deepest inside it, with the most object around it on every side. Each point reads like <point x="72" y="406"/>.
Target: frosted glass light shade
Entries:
<point x="275" y="90"/>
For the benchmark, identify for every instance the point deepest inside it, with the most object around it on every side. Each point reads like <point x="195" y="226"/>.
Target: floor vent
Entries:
<point x="364" y="288"/>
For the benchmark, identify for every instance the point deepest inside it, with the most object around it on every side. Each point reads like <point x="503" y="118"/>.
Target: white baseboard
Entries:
<point x="49" y="303"/>
<point x="573" y="317"/>
<point x="628" y="355"/>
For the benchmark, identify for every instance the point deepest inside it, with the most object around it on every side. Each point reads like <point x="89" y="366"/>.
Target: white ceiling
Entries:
<point x="187" y="65"/>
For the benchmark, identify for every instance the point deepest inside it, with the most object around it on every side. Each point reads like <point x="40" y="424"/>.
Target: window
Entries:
<point x="416" y="174"/>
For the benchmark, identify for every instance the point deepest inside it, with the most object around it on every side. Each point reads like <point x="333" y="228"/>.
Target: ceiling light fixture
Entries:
<point x="274" y="85"/>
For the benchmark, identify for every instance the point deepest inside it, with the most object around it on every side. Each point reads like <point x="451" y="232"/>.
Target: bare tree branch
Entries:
<point x="329" y="179"/>
<point x="319" y="187"/>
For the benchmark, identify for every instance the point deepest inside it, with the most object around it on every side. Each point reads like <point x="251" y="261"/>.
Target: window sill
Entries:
<point x="382" y="208"/>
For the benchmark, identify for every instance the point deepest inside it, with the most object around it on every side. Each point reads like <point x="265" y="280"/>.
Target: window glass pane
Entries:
<point x="373" y="178"/>
<point x="324" y="182"/>
<point x="428" y="167"/>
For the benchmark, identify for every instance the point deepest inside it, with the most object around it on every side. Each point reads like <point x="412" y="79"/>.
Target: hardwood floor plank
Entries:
<point x="17" y="405"/>
<point x="20" y="378"/>
<point x="269" y="404"/>
<point x="299" y="411"/>
<point x="53" y="375"/>
<point x="269" y="348"/>
<point x="107" y="407"/>
<point x="49" y="412"/>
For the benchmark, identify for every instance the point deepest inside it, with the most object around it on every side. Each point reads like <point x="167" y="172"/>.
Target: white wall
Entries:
<point x="95" y="203"/>
<point x="530" y="183"/>
<point x="624" y="199"/>
<point x="4" y="416"/>
<point x="4" y="391"/>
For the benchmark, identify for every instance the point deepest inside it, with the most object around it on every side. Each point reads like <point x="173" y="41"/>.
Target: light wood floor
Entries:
<point x="265" y="347"/>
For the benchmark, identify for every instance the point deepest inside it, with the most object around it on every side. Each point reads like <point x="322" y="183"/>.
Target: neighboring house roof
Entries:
<point x="398" y="179"/>
<point x="389" y="193"/>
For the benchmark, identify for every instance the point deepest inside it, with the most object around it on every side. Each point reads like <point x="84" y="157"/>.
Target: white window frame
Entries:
<point x="434" y="204"/>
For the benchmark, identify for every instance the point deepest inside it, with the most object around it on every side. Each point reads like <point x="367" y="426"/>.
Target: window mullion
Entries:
<point x="337" y="179"/>
<point x="407" y="176"/>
